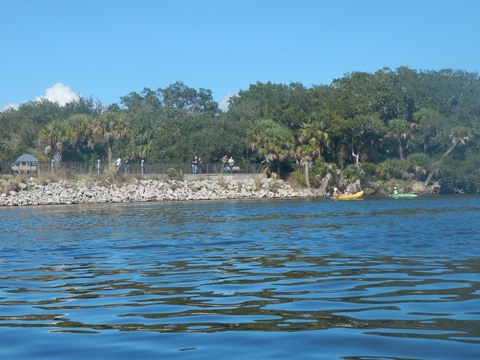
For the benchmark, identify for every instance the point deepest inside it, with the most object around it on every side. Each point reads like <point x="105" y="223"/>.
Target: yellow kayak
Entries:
<point x="356" y="196"/>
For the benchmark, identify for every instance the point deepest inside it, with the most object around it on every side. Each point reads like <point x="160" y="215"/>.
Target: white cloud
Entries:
<point x="225" y="102"/>
<point x="60" y="94"/>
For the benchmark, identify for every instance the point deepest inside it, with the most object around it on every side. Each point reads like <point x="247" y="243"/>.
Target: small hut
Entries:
<point x="25" y="164"/>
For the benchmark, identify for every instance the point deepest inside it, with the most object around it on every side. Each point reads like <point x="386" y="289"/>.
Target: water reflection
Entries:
<point x="270" y="293"/>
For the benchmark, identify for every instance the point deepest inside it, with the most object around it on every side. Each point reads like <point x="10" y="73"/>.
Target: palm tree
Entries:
<point x="53" y="137"/>
<point x="311" y="138"/>
<point x="272" y="141"/>
<point x="458" y="136"/>
<point x="143" y="137"/>
<point x="108" y="127"/>
<point x="399" y="130"/>
<point x="78" y="129"/>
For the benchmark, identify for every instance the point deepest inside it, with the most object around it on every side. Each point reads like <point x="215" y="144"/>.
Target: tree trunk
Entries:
<point x="109" y="154"/>
<point x="357" y="158"/>
<point x="429" y="177"/>
<point x="57" y="158"/>
<point x="307" y="180"/>
<point x="400" y="150"/>
<point x="455" y="142"/>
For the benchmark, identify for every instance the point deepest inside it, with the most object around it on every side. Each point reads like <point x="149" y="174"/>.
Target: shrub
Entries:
<point x="13" y="183"/>
<point x="392" y="168"/>
<point x="322" y="168"/>
<point x="370" y="169"/>
<point x="174" y="174"/>
<point x="258" y="181"/>
<point x="222" y="181"/>
<point x="419" y="159"/>
<point x="296" y="179"/>
<point x="458" y="177"/>
<point x="353" y="173"/>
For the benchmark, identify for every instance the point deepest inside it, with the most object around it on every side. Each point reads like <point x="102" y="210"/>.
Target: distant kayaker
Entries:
<point x="395" y="190"/>
<point x="347" y="191"/>
<point x="335" y="192"/>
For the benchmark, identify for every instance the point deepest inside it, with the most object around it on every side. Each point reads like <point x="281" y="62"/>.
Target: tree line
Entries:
<point x="390" y="124"/>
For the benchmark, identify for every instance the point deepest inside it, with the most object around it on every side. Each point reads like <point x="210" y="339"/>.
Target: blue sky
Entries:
<point x="106" y="49"/>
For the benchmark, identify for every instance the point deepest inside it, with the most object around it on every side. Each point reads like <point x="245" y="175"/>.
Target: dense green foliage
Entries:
<point x="404" y="123"/>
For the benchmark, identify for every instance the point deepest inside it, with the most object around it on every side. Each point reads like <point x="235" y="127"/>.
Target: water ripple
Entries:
<point x="249" y="268"/>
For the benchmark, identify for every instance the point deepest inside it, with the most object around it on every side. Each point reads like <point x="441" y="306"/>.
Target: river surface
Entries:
<point x="274" y="279"/>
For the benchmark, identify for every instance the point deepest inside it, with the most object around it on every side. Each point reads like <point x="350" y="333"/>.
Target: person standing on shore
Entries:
<point x="224" y="163"/>
<point x="231" y="163"/>
<point x="195" y="163"/>
<point x="118" y="163"/>
<point x="199" y="166"/>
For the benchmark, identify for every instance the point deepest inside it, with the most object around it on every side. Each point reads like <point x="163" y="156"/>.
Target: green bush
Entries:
<point x="419" y="159"/>
<point x="174" y="174"/>
<point x="353" y="173"/>
<point x="420" y="165"/>
<point x="458" y="177"/>
<point x="392" y="168"/>
<point x="297" y="179"/>
<point x="370" y="169"/>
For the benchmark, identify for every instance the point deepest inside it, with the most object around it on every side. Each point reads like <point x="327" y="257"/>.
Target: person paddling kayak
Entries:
<point x="335" y="192"/>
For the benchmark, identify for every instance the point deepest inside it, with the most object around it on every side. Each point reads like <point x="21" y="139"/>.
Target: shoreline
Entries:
<point x="69" y="192"/>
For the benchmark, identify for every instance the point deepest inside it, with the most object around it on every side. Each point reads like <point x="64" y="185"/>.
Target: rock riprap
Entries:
<point x="64" y="192"/>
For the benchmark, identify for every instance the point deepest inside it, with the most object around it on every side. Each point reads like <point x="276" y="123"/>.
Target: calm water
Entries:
<point x="302" y="279"/>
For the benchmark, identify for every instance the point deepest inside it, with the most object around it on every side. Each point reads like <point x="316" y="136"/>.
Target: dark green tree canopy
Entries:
<point x="396" y="123"/>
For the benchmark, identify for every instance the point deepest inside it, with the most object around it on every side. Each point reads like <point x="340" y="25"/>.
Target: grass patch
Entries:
<point x="222" y="180"/>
